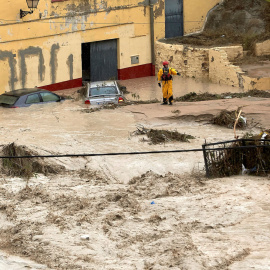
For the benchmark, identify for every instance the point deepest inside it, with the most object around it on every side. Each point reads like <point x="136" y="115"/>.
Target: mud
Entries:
<point x="154" y="211"/>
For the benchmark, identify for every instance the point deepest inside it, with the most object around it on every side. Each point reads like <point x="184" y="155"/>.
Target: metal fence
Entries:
<point x="245" y="156"/>
<point x="221" y="159"/>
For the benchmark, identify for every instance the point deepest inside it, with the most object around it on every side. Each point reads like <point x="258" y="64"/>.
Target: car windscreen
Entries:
<point x="104" y="90"/>
<point x="7" y="99"/>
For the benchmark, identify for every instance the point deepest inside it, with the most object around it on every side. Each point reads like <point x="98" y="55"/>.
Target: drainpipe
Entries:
<point x="152" y="32"/>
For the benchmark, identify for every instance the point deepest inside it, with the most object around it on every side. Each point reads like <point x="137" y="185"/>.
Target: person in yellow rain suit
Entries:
<point x="165" y="77"/>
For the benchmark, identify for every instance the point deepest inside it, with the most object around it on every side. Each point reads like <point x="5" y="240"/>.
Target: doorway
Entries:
<point x="99" y="60"/>
<point x="174" y="24"/>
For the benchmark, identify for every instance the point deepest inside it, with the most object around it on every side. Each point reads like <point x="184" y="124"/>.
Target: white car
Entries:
<point x="103" y="92"/>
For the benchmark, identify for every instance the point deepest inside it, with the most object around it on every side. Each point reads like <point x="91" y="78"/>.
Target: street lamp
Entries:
<point x="32" y="4"/>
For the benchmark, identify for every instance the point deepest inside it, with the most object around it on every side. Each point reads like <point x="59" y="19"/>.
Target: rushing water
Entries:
<point x="65" y="128"/>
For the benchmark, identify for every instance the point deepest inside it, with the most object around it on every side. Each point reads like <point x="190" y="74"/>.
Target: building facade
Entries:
<point x="65" y="42"/>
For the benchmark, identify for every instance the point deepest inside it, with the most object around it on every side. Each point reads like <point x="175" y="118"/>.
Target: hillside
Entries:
<point x="232" y="22"/>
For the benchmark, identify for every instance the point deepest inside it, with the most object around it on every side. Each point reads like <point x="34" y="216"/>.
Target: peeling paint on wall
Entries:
<point x="41" y="67"/>
<point x="12" y="63"/>
<point x="159" y="9"/>
<point x="70" y="66"/>
<point x="83" y="7"/>
<point x="53" y="61"/>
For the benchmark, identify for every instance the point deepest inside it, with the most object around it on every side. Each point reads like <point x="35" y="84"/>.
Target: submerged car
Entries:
<point x="103" y="92"/>
<point x="27" y="97"/>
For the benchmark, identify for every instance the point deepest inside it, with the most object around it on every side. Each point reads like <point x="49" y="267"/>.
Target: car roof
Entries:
<point x="102" y="83"/>
<point x="25" y="91"/>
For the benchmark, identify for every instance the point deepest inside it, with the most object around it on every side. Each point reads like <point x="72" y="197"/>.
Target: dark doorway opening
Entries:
<point x="99" y="60"/>
<point x="86" y="62"/>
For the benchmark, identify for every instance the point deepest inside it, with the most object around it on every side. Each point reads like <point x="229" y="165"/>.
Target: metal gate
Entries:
<point x="99" y="60"/>
<point x="174" y="18"/>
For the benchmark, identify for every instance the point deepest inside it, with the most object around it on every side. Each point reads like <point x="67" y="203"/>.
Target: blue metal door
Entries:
<point x="103" y="60"/>
<point x="174" y="18"/>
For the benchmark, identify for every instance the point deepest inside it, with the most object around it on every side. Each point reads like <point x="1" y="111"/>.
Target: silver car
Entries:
<point x="103" y="92"/>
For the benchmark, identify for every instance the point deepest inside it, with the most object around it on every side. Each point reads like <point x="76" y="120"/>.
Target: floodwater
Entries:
<point x="147" y="88"/>
<point x="8" y="262"/>
<point x="259" y="70"/>
<point x="67" y="128"/>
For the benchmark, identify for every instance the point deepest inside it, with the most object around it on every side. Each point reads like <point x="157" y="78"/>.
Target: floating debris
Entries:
<point x="228" y="119"/>
<point x="231" y="159"/>
<point x="192" y="96"/>
<point x="156" y="136"/>
<point x="25" y="167"/>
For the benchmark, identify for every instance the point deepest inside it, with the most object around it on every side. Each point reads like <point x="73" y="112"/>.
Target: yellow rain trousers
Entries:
<point x="166" y="85"/>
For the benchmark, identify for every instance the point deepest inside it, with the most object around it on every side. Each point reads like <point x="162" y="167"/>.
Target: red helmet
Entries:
<point x="165" y="63"/>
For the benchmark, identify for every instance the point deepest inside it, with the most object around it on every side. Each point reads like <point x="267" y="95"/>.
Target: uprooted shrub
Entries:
<point x="227" y="119"/>
<point x="161" y="136"/>
<point x="25" y="167"/>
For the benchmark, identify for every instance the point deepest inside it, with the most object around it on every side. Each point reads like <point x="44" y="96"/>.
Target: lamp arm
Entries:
<point x="24" y="13"/>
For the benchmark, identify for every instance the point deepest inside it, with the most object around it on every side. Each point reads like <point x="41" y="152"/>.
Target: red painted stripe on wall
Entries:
<point x="63" y="85"/>
<point x="123" y="74"/>
<point x="136" y="72"/>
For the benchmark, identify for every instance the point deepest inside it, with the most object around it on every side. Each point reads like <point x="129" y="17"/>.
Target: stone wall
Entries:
<point x="211" y="64"/>
<point x="263" y="48"/>
<point x="190" y="62"/>
<point x="222" y="71"/>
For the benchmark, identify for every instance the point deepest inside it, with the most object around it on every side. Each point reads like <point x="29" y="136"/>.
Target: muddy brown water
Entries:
<point x="67" y="128"/>
<point x="148" y="89"/>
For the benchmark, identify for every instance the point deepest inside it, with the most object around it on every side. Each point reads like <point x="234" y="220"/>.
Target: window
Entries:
<point x="47" y="97"/>
<point x="32" y="99"/>
<point x="6" y="99"/>
<point x="109" y="90"/>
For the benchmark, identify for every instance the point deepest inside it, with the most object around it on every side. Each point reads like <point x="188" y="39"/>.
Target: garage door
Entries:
<point x="99" y="60"/>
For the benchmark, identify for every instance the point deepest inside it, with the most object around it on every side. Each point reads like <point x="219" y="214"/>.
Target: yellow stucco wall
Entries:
<point x="195" y="13"/>
<point x="45" y="47"/>
<point x="37" y="49"/>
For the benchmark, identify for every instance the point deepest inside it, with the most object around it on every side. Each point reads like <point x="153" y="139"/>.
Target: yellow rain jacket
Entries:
<point x="166" y="85"/>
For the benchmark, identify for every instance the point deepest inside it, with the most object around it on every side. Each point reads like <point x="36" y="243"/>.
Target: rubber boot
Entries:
<point x="165" y="102"/>
<point x="171" y="100"/>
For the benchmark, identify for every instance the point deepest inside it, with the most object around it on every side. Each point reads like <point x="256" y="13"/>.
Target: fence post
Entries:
<point x="205" y="161"/>
<point x="244" y="160"/>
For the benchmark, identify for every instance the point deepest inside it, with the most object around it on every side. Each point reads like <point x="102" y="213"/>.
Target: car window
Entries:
<point x="6" y="99"/>
<point x="107" y="90"/>
<point x="49" y="97"/>
<point x="32" y="99"/>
